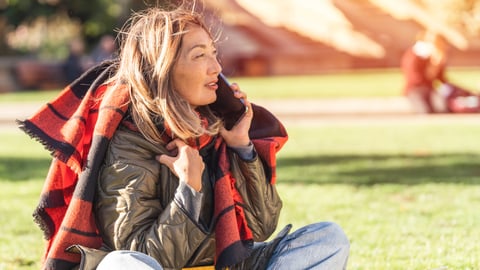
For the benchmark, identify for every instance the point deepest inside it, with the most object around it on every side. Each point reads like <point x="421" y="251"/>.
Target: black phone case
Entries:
<point x="227" y="106"/>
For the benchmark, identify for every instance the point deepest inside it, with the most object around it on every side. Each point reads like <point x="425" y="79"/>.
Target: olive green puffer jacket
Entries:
<point x="140" y="204"/>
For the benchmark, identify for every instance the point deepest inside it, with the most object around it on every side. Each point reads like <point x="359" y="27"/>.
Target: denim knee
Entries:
<point x="339" y="243"/>
<point x="125" y="259"/>
<point x="336" y="232"/>
<point x="325" y="231"/>
<point x="321" y="245"/>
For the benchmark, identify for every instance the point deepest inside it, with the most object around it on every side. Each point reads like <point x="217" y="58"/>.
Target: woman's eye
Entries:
<point x="199" y="55"/>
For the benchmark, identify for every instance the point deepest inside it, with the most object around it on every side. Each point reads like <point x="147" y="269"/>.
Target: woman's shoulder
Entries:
<point x="130" y="146"/>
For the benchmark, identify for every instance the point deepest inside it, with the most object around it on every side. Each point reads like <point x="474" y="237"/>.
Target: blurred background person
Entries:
<point x="105" y="50"/>
<point x="423" y="66"/>
<point x="76" y="62"/>
<point x="425" y="82"/>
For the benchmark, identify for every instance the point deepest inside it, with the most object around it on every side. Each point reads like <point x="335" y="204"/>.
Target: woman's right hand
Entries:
<point x="185" y="162"/>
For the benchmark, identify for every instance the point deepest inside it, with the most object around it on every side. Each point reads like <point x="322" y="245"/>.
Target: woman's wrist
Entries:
<point x="239" y="143"/>
<point x="245" y="152"/>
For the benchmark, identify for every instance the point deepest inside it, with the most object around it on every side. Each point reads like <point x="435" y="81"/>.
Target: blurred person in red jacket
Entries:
<point x="426" y="85"/>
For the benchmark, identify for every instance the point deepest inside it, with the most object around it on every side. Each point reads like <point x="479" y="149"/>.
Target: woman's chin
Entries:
<point x="212" y="100"/>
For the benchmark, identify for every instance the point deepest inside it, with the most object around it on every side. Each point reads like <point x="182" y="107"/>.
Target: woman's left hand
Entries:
<point x="238" y="135"/>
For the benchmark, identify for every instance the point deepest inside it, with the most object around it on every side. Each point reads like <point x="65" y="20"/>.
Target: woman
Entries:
<point x="173" y="187"/>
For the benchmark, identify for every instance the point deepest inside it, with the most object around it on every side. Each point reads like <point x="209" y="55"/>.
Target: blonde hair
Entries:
<point x="150" y="45"/>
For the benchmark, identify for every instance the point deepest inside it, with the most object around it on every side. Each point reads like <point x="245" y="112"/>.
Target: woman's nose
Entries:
<point x="215" y="66"/>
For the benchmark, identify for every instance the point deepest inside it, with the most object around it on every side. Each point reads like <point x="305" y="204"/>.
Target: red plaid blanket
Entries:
<point x="77" y="127"/>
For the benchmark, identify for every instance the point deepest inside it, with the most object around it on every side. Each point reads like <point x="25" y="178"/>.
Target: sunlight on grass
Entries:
<point x="15" y="143"/>
<point x="407" y="196"/>
<point x="23" y="166"/>
<point x="394" y="226"/>
<point x="29" y="96"/>
<point x="348" y="84"/>
<point x="407" y="139"/>
<point x="23" y="245"/>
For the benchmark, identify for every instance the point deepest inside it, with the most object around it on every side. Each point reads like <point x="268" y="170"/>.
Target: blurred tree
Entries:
<point x="463" y="15"/>
<point x="44" y="26"/>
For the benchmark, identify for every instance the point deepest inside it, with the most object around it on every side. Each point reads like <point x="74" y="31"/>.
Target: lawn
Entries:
<point x="406" y="195"/>
<point x="23" y="166"/>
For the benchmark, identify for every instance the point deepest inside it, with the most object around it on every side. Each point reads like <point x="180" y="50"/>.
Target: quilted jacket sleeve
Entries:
<point x="262" y="202"/>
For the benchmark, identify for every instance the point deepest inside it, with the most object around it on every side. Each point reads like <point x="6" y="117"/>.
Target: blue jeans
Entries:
<point x="321" y="245"/>
<point x="126" y="260"/>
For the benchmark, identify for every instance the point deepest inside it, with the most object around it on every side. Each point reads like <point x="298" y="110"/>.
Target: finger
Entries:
<point x="240" y="94"/>
<point x="237" y="92"/>
<point x="165" y="160"/>
<point x="174" y="146"/>
<point x="176" y="143"/>
<point x="235" y="87"/>
<point x="171" y="145"/>
<point x="249" y="110"/>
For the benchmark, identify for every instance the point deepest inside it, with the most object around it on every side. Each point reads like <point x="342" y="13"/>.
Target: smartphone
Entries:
<point x="227" y="106"/>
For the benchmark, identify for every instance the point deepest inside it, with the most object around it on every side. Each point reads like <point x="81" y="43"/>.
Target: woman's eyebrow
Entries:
<point x="202" y="46"/>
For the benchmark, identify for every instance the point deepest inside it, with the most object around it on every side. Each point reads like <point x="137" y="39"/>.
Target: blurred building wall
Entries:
<point x="281" y="37"/>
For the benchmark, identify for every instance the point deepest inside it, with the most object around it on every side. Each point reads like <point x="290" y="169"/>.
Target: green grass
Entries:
<point x="23" y="166"/>
<point x="362" y="83"/>
<point x="28" y="96"/>
<point x="407" y="195"/>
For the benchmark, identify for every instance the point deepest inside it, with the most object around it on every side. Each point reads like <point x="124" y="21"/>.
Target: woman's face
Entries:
<point x="195" y="73"/>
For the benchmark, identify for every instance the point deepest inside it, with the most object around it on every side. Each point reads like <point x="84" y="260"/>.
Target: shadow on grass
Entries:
<point x="381" y="169"/>
<point x="21" y="169"/>
<point x="325" y="169"/>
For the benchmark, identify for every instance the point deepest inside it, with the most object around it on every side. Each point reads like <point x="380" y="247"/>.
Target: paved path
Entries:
<point x="369" y="111"/>
<point x="296" y="107"/>
<point x="356" y="111"/>
<point x="338" y="106"/>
